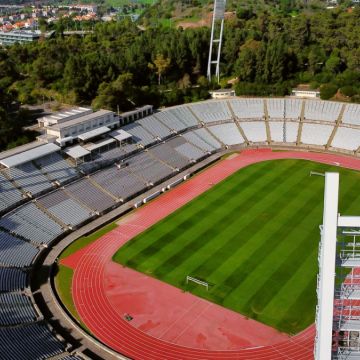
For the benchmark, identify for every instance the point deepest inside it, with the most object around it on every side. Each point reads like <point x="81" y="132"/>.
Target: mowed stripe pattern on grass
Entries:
<point x="254" y="236"/>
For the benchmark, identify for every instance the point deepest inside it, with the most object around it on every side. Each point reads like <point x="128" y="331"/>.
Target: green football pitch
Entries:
<point x="253" y="237"/>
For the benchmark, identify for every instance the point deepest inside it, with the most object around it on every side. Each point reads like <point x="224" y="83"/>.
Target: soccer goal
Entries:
<point x="197" y="281"/>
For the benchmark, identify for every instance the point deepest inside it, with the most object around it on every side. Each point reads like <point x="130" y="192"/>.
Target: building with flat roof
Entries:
<point x="222" y="93"/>
<point x="18" y="36"/>
<point x="78" y="124"/>
<point x="304" y="91"/>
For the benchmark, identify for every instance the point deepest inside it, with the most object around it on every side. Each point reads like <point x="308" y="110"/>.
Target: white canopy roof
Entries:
<point x="76" y="152"/>
<point x="29" y="155"/>
<point x="93" y="133"/>
<point x="349" y="221"/>
<point x="99" y="144"/>
<point x="120" y="135"/>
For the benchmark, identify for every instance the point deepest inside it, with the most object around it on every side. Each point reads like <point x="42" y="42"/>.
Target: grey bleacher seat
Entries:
<point x="139" y="134"/>
<point x="248" y="108"/>
<point x="170" y="120"/>
<point x="33" y="341"/>
<point x="15" y="309"/>
<point x="155" y="127"/>
<point x="255" y="131"/>
<point x="69" y="211"/>
<point x="9" y="195"/>
<point x="119" y="182"/>
<point x="12" y="279"/>
<point x="32" y="224"/>
<point x="346" y="138"/>
<point x="322" y="110"/>
<point x="203" y="139"/>
<point x="56" y="168"/>
<point x="29" y="178"/>
<point x="315" y="134"/>
<point x="15" y="252"/>
<point x="149" y="168"/>
<point x="211" y="111"/>
<point x="87" y="193"/>
<point x="190" y="151"/>
<point x="229" y="133"/>
<point x="183" y="113"/>
<point x="167" y="154"/>
<point x="277" y="131"/>
<point x="284" y="108"/>
<point x="351" y="114"/>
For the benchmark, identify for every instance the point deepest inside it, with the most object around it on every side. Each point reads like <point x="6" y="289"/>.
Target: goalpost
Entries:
<point x="197" y="281"/>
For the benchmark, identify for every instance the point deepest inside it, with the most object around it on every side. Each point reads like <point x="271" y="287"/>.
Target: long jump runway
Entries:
<point x="167" y="322"/>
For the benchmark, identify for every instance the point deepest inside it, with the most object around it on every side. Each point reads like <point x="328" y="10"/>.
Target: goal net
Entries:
<point x="197" y="281"/>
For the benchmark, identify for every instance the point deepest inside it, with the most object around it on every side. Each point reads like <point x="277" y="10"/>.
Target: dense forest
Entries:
<point x="121" y="65"/>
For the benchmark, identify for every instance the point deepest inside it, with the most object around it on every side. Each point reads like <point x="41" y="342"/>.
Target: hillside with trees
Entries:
<point x="121" y="65"/>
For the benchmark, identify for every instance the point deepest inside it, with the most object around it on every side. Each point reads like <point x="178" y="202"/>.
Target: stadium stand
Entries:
<point x="9" y="195"/>
<point x="351" y="114"/>
<point x="29" y="178"/>
<point x="248" y="108"/>
<point x="15" y="252"/>
<point x="316" y="134"/>
<point x="31" y="223"/>
<point x="93" y="197"/>
<point x="211" y="111"/>
<point x="12" y="279"/>
<point x="202" y="139"/>
<point x="56" y="168"/>
<point x="277" y="131"/>
<point x="139" y="134"/>
<point x="168" y="155"/>
<point x="255" y="131"/>
<point x="35" y="339"/>
<point x="67" y="210"/>
<point x="16" y="309"/>
<point x="346" y="138"/>
<point x="227" y="133"/>
<point x="322" y="110"/>
<point x="155" y="127"/>
<point x="184" y="114"/>
<point x="171" y="121"/>
<point x="125" y="171"/>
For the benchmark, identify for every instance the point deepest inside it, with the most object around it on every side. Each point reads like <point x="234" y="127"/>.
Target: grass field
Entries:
<point x="254" y="237"/>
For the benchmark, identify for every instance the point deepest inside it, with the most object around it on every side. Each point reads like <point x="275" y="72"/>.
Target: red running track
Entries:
<point x="91" y="286"/>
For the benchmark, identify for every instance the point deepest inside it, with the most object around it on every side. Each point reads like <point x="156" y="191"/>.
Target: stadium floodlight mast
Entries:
<point x="217" y="29"/>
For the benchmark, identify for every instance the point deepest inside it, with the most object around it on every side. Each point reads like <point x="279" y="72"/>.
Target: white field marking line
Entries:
<point x="178" y="319"/>
<point x="201" y="312"/>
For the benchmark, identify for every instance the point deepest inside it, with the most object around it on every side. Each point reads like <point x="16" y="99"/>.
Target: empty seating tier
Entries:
<point x="351" y="114"/>
<point x="12" y="279"/>
<point x="90" y="195"/>
<point x="248" y="108"/>
<point x="139" y="134"/>
<point x="9" y="195"/>
<point x="56" y="168"/>
<point x="284" y="109"/>
<point x="171" y="121"/>
<point x="255" y="131"/>
<point x="16" y="309"/>
<point x="346" y="138"/>
<point x="34" y="341"/>
<point x="322" y="110"/>
<point x="167" y="154"/>
<point x="184" y="114"/>
<point x="15" y="252"/>
<point x="284" y="131"/>
<point x="316" y="134"/>
<point x="155" y="127"/>
<point x="119" y="182"/>
<point x="227" y="133"/>
<point x="148" y="168"/>
<point x="67" y="210"/>
<point x="32" y="224"/>
<point x="211" y="111"/>
<point x="203" y="139"/>
<point x="29" y="178"/>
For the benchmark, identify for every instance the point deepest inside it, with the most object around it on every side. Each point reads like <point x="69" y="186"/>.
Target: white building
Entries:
<point x="222" y="93"/>
<point x="305" y="92"/>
